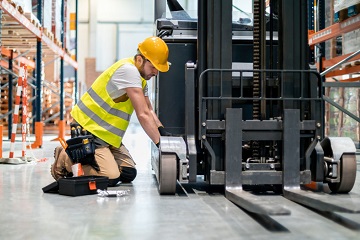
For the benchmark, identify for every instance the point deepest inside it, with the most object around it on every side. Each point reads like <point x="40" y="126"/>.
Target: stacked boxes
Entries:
<point x="345" y="8"/>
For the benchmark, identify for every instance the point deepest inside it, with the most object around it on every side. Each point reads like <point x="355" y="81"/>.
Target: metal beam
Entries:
<point x="38" y="69"/>
<point x="62" y="37"/>
<point x="291" y="149"/>
<point x="76" y="51"/>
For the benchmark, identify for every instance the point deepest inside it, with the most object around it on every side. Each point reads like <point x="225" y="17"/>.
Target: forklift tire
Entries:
<point x="347" y="174"/>
<point x="167" y="174"/>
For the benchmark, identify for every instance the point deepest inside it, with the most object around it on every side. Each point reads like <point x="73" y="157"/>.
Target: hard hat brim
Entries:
<point x="162" y="67"/>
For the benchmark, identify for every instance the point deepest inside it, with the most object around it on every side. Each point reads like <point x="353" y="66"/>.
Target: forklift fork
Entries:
<point x="291" y="174"/>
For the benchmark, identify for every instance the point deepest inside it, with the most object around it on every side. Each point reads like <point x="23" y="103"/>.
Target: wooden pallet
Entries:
<point x="33" y="19"/>
<point x="352" y="64"/>
<point x="49" y="34"/>
<point x="355" y="63"/>
<point x="17" y="7"/>
<point x="57" y="42"/>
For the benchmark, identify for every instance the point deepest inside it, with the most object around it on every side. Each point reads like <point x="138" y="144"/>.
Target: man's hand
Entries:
<point x="163" y="132"/>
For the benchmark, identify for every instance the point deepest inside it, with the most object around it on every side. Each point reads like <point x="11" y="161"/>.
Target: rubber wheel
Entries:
<point x="167" y="174"/>
<point x="347" y="175"/>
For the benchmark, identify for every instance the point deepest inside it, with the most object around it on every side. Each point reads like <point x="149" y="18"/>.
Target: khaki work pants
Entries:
<point x="109" y="159"/>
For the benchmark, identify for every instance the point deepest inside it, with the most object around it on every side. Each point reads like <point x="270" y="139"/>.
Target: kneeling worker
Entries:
<point x="105" y="110"/>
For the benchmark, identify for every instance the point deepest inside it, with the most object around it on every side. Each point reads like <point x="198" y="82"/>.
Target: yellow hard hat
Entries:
<point x="156" y="51"/>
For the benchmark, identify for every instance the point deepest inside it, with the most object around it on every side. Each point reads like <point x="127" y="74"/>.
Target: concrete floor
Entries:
<point x="194" y="212"/>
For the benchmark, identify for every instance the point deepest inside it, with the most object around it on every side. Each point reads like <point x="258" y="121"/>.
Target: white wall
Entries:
<point x="121" y="25"/>
<point x="129" y="37"/>
<point x="111" y="29"/>
<point x="244" y="5"/>
<point x="105" y="46"/>
<point x="125" y="10"/>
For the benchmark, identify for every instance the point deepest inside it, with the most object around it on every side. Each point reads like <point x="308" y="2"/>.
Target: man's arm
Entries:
<point x="160" y="126"/>
<point x="143" y="113"/>
<point x="156" y="119"/>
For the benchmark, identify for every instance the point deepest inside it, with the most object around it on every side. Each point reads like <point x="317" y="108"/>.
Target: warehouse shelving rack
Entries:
<point x="331" y="32"/>
<point x="333" y="68"/>
<point x="23" y="40"/>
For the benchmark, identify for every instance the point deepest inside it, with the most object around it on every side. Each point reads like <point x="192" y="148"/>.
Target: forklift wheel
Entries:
<point x="347" y="174"/>
<point x="167" y="174"/>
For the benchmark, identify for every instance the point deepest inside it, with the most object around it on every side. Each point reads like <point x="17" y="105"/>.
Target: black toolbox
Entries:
<point x="84" y="185"/>
<point x="78" y="186"/>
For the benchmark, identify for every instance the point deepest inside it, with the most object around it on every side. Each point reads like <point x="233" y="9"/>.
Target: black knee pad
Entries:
<point x="113" y="182"/>
<point x="128" y="174"/>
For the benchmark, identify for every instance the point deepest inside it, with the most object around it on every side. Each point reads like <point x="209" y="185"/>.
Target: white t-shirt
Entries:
<point x="125" y="76"/>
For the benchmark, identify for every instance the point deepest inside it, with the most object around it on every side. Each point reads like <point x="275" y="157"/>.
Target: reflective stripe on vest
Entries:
<point x="99" y="114"/>
<point x="99" y="121"/>
<point x="107" y="107"/>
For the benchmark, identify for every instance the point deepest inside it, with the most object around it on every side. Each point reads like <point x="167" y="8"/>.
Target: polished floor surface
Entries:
<point x="194" y="212"/>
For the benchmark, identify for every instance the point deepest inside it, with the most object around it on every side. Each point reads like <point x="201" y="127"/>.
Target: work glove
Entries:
<point x="77" y="130"/>
<point x="163" y="132"/>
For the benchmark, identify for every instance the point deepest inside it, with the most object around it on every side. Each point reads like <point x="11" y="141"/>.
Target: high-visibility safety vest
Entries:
<point x="99" y="114"/>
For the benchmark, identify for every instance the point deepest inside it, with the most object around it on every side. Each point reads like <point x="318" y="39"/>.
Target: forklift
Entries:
<point x="246" y="108"/>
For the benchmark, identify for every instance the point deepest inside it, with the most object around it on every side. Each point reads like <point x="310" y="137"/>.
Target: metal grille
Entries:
<point x="303" y="76"/>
